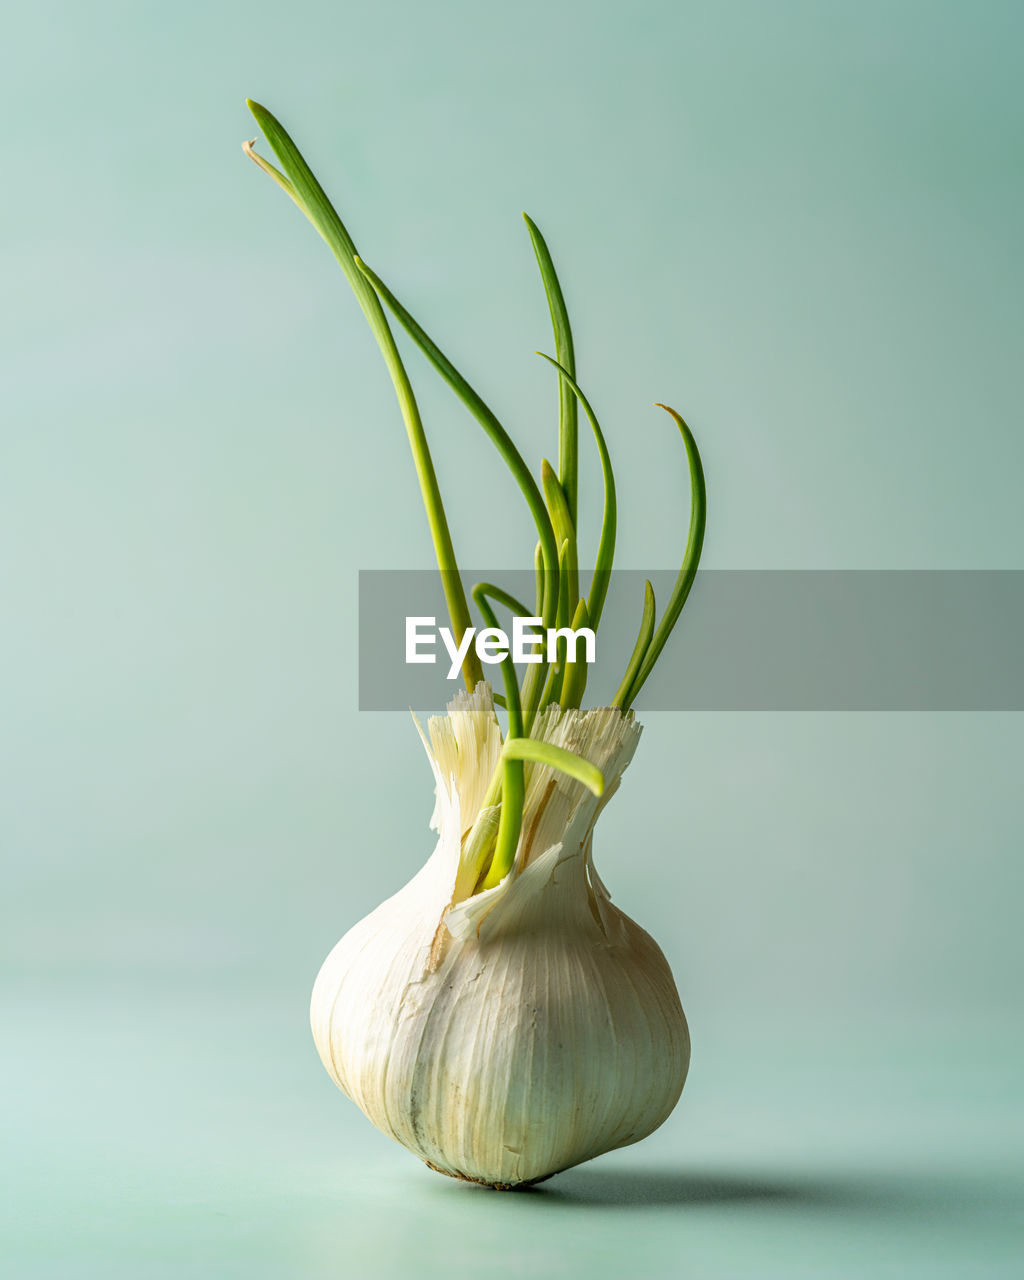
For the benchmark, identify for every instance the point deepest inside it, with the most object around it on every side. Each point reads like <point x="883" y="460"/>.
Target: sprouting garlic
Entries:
<point x="507" y="1035"/>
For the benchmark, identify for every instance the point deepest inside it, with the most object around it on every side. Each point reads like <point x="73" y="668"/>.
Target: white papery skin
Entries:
<point x="507" y="1035"/>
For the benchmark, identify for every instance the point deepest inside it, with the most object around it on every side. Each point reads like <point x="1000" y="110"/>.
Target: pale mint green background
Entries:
<point x="800" y="223"/>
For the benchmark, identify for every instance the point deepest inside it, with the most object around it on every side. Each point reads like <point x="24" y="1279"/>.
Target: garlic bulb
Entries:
<point x="508" y="1034"/>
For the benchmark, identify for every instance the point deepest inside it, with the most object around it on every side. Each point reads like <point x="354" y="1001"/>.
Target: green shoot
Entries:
<point x="553" y="504"/>
<point x="567" y="762"/>
<point x="643" y="643"/>
<point x="691" y="557"/>
<point x="565" y="532"/>
<point x="300" y="184"/>
<point x="510" y="822"/>
<point x="567" y="431"/>
<point x="502" y="440"/>
<point x="606" y="545"/>
<point x="574" y="682"/>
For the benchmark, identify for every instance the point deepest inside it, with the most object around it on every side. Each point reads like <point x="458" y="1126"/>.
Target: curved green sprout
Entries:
<point x="565" y="533"/>
<point x="643" y="643"/>
<point x="568" y="464"/>
<point x="502" y="440"/>
<point x="513" y="789"/>
<point x="609" y="521"/>
<point x="574" y="681"/>
<point x="567" y="762"/>
<point x="691" y="556"/>
<point x="308" y="194"/>
<point x="553" y="504"/>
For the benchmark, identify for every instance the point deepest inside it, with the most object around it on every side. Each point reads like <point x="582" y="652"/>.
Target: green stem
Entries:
<point x="302" y="186"/>
<point x="609" y="521"/>
<point x="574" y="682"/>
<point x="502" y="440"/>
<point x="565" y="533"/>
<point x="510" y="822"/>
<point x="643" y="642"/>
<point x="513" y="705"/>
<point x="691" y="557"/>
<point x="533" y="683"/>
<point x="568" y="463"/>
<point x="568" y="762"/>
<point x="561" y="620"/>
<point x="533" y="751"/>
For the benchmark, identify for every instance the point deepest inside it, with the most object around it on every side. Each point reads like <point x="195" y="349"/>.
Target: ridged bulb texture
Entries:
<point x="507" y="1034"/>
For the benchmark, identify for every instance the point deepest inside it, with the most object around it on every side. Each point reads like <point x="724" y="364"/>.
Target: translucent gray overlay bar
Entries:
<point x="749" y="640"/>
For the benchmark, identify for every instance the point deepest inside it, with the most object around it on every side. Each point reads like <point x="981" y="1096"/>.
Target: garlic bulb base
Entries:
<point x="506" y="1035"/>
<point x="491" y="1186"/>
